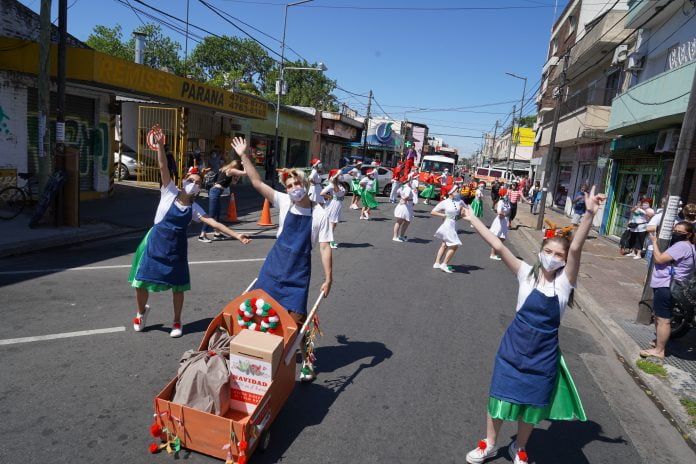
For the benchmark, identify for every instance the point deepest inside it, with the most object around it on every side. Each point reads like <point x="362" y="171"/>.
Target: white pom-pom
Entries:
<point x="252" y="326"/>
<point x="242" y="307"/>
<point x="260" y="303"/>
<point x="241" y="322"/>
<point x="264" y="324"/>
<point x="259" y="312"/>
<point x="248" y="313"/>
<point x="274" y="319"/>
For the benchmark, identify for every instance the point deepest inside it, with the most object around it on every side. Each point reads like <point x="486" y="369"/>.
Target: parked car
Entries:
<point x="489" y="175"/>
<point x="384" y="177"/>
<point x="126" y="165"/>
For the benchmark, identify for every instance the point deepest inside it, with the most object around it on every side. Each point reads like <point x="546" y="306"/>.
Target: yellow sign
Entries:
<point x="99" y="68"/>
<point x="524" y="136"/>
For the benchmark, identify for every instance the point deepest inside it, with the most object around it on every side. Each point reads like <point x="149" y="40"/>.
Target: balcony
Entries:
<point x="636" y="110"/>
<point x="641" y="10"/>
<point x="598" y="41"/>
<point x="583" y="119"/>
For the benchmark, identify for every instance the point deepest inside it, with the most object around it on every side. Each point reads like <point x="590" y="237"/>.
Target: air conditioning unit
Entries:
<point x="667" y="141"/>
<point x="620" y="54"/>
<point x="635" y="62"/>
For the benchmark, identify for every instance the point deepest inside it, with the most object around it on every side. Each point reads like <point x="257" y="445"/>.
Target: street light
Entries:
<point x="519" y="121"/>
<point x="280" y="87"/>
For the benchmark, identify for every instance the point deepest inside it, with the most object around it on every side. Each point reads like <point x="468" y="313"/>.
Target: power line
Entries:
<point x="405" y="8"/>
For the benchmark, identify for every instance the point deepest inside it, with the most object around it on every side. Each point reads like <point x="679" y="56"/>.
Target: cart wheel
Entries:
<point x="264" y="441"/>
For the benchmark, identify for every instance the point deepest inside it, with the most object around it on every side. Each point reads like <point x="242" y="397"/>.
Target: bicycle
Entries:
<point x="13" y="200"/>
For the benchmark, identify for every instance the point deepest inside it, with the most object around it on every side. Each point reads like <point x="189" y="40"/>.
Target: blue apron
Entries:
<point x="165" y="260"/>
<point x="527" y="360"/>
<point x="288" y="267"/>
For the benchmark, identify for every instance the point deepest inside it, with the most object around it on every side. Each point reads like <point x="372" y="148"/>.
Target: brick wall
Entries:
<point x="20" y="22"/>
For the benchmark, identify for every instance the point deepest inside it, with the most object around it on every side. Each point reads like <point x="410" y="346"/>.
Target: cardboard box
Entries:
<point x="254" y="359"/>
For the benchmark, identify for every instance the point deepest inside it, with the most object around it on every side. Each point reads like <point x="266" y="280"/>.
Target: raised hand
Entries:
<point x="239" y="145"/>
<point x="157" y="134"/>
<point x="594" y="200"/>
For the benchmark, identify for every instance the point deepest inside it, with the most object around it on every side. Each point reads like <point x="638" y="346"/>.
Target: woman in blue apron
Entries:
<point x="286" y="272"/>
<point x="531" y="381"/>
<point x="161" y="260"/>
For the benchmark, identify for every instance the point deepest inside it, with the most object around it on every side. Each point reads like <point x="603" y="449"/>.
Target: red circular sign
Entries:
<point x="151" y="138"/>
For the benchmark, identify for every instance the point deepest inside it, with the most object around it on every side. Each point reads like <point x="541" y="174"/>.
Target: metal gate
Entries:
<point x="169" y="120"/>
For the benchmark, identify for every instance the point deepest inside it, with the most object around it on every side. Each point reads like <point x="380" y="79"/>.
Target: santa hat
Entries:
<point x="453" y="189"/>
<point x="411" y="175"/>
<point x="370" y="171"/>
<point x="377" y="163"/>
<point x="359" y="163"/>
<point x="314" y="162"/>
<point x="192" y="170"/>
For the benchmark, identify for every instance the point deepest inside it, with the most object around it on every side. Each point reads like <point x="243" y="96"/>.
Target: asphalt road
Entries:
<point x="404" y="364"/>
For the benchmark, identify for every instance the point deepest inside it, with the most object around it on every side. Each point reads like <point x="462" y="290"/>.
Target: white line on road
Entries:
<point x="121" y="266"/>
<point x="81" y="333"/>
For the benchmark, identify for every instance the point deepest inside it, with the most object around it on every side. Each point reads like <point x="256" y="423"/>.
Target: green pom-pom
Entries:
<point x="266" y="307"/>
<point x="273" y="325"/>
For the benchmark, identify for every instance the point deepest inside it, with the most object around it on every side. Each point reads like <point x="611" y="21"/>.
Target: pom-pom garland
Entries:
<point x="156" y="430"/>
<point x="252" y="307"/>
<point x="522" y="455"/>
<point x="154" y="448"/>
<point x="482" y="445"/>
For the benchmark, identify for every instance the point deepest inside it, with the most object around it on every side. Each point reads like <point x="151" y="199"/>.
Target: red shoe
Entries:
<point x="176" y="330"/>
<point x="139" y="320"/>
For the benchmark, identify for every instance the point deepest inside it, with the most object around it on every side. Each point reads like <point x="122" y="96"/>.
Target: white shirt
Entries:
<point x="450" y="208"/>
<point x="314" y="178"/>
<point x="367" y="183"/>
<point x="655" y="221"/>
<point x="321" y="228"/>
<point x="560" y="287"/>
<point x="405" y="193"/>
<point x="169" y="194"/>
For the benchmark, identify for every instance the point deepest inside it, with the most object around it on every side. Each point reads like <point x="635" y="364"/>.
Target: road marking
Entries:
<point x="122" y="266"/>
<point x="81" y="333"/>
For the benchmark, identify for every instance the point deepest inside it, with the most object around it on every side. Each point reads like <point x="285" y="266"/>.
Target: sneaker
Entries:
<point x="204" y="239"/>
<point x="176" y="330"/>
<point x="307" y="373"/>
<point x="447" y="269"/>
<point x="481" y="453"/>
<point x="396" y="239"/>
<point x="219" y="236"/>
<point x="519" y="456"/>
<point x="436" y="266"/>
<point x="333" y="245"/>
<point x="139" y="320"/>
<point x="495" y="258"/>
<point x="404" y="238"/>
<point x="637" y="257"/>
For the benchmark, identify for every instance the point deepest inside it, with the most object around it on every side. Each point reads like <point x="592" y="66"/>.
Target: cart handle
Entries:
<point x="250" y="285"/>
<point x="300" y="334"/>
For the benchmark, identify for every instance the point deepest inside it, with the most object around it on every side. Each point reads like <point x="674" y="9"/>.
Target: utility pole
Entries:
<point x="519" y="127"/>
<point x="550" y="154"/>
<point x="687" y="143"/>
<point x="512" y="135"/>
<point x="367" y="125"/>
<point x="495" y="134"/>
<point x="44" y="93"/>
<point x="60" y="107"/>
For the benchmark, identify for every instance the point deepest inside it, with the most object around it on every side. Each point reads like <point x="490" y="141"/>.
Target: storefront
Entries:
<point x="294" y="137"/>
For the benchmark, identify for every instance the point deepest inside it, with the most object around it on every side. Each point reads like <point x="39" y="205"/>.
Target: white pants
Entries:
<point x="395" y="189"/>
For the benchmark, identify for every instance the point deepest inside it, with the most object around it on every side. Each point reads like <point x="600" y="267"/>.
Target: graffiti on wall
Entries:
<point x="13" y="128"/>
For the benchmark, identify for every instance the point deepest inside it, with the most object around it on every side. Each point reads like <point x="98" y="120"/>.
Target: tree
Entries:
<point x="305" y="87"/>
<point x="109" y="40"/>
<point x="231" y="62"/>
<point x="528" y="121"/>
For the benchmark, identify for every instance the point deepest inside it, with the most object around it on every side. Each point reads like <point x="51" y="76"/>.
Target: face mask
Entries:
<point x="677" y="237"/>
<point x="297" y="194"/>
<point x="549" y="262"/>
<point x="191" y="188"/>
<point x="457" y="197"/>
<point x="645" y="206"/>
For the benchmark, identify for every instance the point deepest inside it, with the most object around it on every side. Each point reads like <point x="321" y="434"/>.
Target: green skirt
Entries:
<point x="477" y="208"/>
<point x="428" y="192"/>
<point x="368" y="199"/>
<point x="150" y="286"/>
<point x="565" y="403"/>
<point x="355" y="187"/>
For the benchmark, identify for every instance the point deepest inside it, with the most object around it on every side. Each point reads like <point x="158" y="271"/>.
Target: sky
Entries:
<point x="434" y="54"/>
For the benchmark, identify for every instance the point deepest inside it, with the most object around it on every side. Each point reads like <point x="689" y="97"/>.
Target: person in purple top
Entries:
<point x="677" y="263"/>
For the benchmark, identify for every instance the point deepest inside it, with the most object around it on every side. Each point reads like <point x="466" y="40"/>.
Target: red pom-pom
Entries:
<point x="136" y="320"/>
<point x="240" y="311"/>
<point x="154" y="447"/>
<point x="242" y="460"/>
<point x="272" y="312"/>
<point x="272" y="331"/>
<point x="522" y="455"/>
<point x="482" y="445"/>
<point x="252" y="303"/>
<point x="258" y="327"/>
<point x="155" y="430"/>
<point x="246" y="318"/>
<point x="243" y="445"/>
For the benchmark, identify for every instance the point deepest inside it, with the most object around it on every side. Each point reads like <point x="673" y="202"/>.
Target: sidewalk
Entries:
<point x="610" y="287"/>
<point x="131" y="208"/>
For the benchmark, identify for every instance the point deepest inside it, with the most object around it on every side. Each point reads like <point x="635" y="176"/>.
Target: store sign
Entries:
<point x="383" y="135"/>
<point x="682" y="54"/>
<point x="338" y="129"/>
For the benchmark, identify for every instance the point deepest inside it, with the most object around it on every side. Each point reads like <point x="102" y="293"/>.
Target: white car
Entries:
<point x="384" y="177"/>
<point x="126" y="165"/>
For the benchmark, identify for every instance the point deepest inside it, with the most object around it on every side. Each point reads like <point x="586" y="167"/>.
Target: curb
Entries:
<point x="626" y="347"/>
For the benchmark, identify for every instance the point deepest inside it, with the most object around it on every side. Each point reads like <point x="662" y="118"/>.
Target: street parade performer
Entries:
<point x="161" y="260"/>
<point x="531" y="381"/>
<point x="450" y="210"/>
<point x="369" y="187"/>
<point x="403" y="213"/>
<point x="286" y="273"/>
<point x="315" y="182"/>
<point x="334" y="193"/>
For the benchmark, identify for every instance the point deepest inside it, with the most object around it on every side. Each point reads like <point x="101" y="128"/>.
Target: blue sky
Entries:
<point x="414" y="58"/>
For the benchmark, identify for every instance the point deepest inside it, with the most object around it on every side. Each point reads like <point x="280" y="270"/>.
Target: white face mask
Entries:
<point x="550" y="263"/>
<point x="191" y="188"/>
<point x="645" y="206"/>
<point x="297" y="194"/>
<point x="319" y="166"/>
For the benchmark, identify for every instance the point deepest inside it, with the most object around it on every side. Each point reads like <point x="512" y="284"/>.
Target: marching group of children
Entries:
<point x="530" y="381"/>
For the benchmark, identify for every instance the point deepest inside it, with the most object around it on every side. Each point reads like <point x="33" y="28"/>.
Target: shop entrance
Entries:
<point x="631" y="186"/>
<point x="169" y="121"/>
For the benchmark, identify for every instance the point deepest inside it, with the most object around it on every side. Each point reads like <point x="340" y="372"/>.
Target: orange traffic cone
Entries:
<point x="266" y="215"/>
<point x="232" y="210"/>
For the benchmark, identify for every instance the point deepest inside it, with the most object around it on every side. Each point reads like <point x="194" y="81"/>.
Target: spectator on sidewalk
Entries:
<point x="676" y="263"/>
<point x="579" y="207"/>
<point x="638" y="225"/>
<point x="689" y="212"/>
<point x="514" y="195"/>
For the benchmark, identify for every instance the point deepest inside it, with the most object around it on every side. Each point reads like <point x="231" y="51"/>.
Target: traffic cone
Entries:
<point x="266" y="215"/>
<point x="232" y="210"/>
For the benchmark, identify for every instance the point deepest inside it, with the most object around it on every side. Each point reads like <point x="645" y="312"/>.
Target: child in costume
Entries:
<point x="477" y="204"/>
<point x="500" y="224"/>
<point x="369" y="187"/>
<point x="315" y="182"/>
<point x="355" y="187"/>
<point x="429" y="191"/>
<point x="450" y="210"/>
<point x="334" y="194"/>
<point x="531" y="381"/>
<point x="302" y="224"/>
<point x="403" y="213"/>
<point x="161" y="260"/>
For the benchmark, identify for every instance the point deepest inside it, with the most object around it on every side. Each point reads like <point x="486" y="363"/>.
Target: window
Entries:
<point x="572" y="24"/>
<point x="482" y="172"/>
<point x="554" y="46"/>
<point x="298" y="153"/>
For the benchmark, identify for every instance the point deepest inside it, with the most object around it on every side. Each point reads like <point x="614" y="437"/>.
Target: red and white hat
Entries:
<point x="453" y="189"/>
<point x="314" y="162"/>
<point x="192" y="170"/>
<point x="370" y="171"/>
